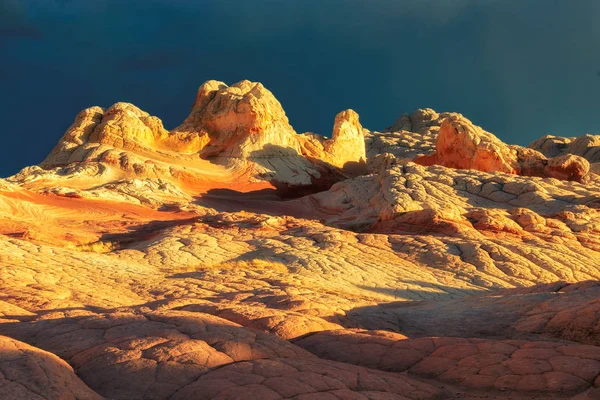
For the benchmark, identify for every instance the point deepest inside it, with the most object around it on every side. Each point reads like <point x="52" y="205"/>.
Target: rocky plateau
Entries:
<point x="234" y="258"/>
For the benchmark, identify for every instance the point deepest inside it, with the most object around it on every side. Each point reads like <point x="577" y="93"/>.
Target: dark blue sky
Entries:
<point x="519" y="68"/>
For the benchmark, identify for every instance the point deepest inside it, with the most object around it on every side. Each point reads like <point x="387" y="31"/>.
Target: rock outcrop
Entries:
<point x="462" y="145"/>
<point x="410" y="137"/>
<point x="239" y="121"/>
<point x="242" y="127"/>
<point x="586" y="146"/>
<point x="345" y="149"/>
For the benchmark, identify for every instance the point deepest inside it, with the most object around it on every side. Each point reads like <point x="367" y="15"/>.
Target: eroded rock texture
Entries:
<point x="232" y="258"/>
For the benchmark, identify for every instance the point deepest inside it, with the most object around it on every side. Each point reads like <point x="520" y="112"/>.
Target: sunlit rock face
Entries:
<point x="428" y="261"/>
<point x="241" y="128"/>
<point x="239" y="120"/>
<point x="462" y="145"/>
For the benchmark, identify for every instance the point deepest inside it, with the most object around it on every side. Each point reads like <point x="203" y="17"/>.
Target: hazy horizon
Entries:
<point x="519" y="69"/>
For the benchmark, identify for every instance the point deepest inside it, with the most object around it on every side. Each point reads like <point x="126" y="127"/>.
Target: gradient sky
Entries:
<point x="519" y="68"/>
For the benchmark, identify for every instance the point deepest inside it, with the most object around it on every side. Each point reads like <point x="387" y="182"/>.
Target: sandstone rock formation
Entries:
<point x="239" y="120"/>
<point x="460" y="144"/>
<point x="429" y="261"/>
<point x="242" y="127"/>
